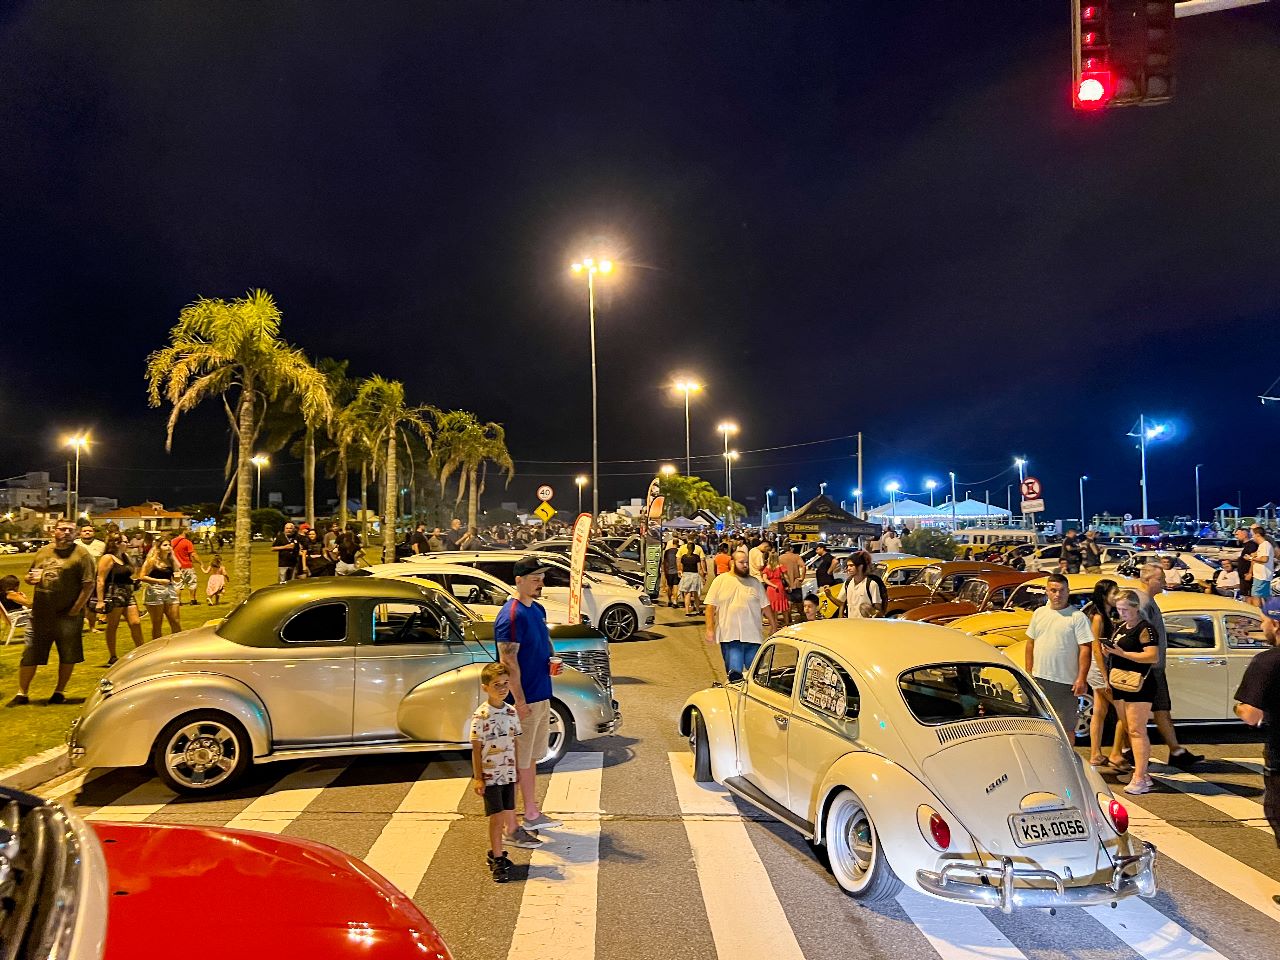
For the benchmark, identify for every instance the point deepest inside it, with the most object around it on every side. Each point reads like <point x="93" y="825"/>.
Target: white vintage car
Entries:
<point x="911" y="753"/>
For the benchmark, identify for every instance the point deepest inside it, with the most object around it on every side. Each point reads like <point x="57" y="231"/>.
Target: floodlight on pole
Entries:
<point x="893" y="487"/>
<point x="581" y="481"/>
<point x="952" y="475"/>
<point x="590" y="267"/>
<point x="729" y="457"/>
<point x="259" y="461"/>
<point x="668" y="469"/>
<point x="857" y="493"/>
<point x="1083" y="524"/>
<point x="930" y="485"/>
<point x="793" y="499"/>
<point x="687" y="387"/>
<point x="1198" y="466"/>
<point x="77" y="442"/>
<point x="727" y="427"/>
<point x="1145" y="432"/>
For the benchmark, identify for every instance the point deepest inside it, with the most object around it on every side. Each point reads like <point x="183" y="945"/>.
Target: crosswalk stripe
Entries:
<point x="746" y="917"/>
<point x="64" y="791"/>
<point x="410" y="839"/>
<point x="1252" y="764"/>
<point x="957" y="932"/>
<point x="136" y="805"/>
<point x="1228" y="874"/>
<point x="1150" y="933"/>
<point x="284" y="803"/>
<point x="558" y="910"/>
<point x="1224" y="801"/>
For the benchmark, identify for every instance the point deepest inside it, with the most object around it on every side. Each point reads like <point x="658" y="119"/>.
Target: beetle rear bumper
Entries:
<point x="999" y="886"/>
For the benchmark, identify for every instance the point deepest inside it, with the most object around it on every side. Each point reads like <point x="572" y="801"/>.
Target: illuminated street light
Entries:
<point x="1083" y="526"/>
<point x="857" y="492"/>
<point x="581" y="481"/>
<point x="929" y="485"/>
<point x="667" y="469"/>
<point x="726" y="427"/>
<point x="687" y="387"/>
<point x="729" y="457"/>
<point x="893" y="487"/>
<point x="822" y="488"/>
<point x="1020" y="462"/>
<point x="590" y="267"/>
<point x="259" y="461"/>
<point x="77" y="442"/>
<point x="793" y="499"/>
<point x="1144" y="432"/>
<point x="952" y="475"/>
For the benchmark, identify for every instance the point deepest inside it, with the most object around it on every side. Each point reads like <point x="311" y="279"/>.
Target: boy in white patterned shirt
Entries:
<point x="494" y="728"/>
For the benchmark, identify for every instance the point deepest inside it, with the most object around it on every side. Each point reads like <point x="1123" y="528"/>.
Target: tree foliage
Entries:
<point x="926" y="542"/>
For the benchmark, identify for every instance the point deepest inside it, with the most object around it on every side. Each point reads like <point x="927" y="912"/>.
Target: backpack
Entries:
<point x="883" y="605"/>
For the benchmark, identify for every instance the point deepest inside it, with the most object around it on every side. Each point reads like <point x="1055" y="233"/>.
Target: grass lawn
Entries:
<point x="32" y="729"/>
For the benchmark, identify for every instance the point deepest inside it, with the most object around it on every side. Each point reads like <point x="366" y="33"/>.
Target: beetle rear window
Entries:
<point x="949" y="692"/>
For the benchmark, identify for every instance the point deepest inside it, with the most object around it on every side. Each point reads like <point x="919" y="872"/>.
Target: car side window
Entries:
<point x="556" y="577"/>
<point x="828" y="689"/>
<point x="781" y="677"/>
<point x="471" y="589"/>
<point x="415" y="623"/>
<point x="1243" y="632"/>
<point x="504" y="570"/>
<point x="323" y="623"/>
<point x="1187" y="632"/>
<point x="760" y="676"/>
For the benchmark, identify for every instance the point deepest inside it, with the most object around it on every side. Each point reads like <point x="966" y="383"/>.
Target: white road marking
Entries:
<point x="1228" y="874"/>
<point x="747" y="920"/>
<point x="410" y="839"/>
<point x="1150" y="933"/>
<point x="136" y="805"/>
<point x="557" y="918"/>
<point x="1224" y="801"/>
<point x="274" y="811"/>
<point x="957" y="932"/>
<point x="64" y="791"/>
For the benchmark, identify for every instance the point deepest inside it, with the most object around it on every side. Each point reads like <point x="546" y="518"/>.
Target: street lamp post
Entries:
<point x="79" y="442"/>
<point x="1019" y="462"/>
<point x="590" y="267"/>
<point x="793" y="499"/>
<point x="259" y="461"/>
<point x="727" y="427"/>
<point x="892" y="486"/>
<point x="687" y="387"/>
<point x="953" y="500"/>
<point x="857" y="493"/>
<point x="930" y="485"/>
<point x="1083" y="524"/>
<point x="1198" y="466"/>
<point x="1144" y="434"/>
<point x="729" y="457"/>
<point x="581" y="481"/>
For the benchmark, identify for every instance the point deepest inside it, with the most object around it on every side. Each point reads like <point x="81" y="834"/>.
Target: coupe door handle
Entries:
<point x="1208" y="661"/>
<point x="780" y="720"/>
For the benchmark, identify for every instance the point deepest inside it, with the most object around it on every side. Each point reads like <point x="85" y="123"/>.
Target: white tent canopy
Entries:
<point x="906" y="510"/>
<point x="975" y="508"/>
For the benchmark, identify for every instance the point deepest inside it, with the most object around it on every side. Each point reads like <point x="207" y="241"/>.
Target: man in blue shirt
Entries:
<point x="524" y="647"/>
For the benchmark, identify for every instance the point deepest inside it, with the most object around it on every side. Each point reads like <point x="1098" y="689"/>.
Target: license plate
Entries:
<point x="1053" y="826"/>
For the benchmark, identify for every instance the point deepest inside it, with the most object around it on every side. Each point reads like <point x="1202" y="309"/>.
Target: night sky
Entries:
<point x="840" y="217"/>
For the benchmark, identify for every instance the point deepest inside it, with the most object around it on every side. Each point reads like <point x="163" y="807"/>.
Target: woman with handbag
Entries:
<point x="1131" y="652"/>
<point x="1101" y="611"/>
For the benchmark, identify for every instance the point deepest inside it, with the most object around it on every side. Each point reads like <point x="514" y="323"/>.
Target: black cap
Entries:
<point x="528" y="566"/>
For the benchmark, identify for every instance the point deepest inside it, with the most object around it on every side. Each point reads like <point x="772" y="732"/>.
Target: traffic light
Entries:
<point x="1122" y="53"/>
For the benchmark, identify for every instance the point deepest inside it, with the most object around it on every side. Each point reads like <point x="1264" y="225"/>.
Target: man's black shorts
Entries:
<point x="1161" y="701"/>
<point x="65" y="633"/>
<point x="499" y="798"/>
<point x="673" y="579"/>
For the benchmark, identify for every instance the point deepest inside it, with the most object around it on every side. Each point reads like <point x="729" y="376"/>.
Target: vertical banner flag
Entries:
<point x="578" y="564"/>
<point x="650" y="548"/>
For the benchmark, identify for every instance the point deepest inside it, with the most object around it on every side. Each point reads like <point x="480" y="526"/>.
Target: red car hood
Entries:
<point x="187" y="891"/>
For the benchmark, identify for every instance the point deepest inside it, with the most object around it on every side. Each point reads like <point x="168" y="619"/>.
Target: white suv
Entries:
<point x="482" y="592"/>
<point x="614" y="607"/>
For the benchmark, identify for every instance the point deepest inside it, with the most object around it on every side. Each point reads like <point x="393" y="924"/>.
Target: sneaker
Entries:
<point x="523" y="838"/>
<point x="542" y="822"/>
<point x="57" y="697"/>
<point x="500" y="867"/>
<point x="19" y="700"/>
<point x="1184" y="760"/>
<point x="1136" y="787"/>
<point x="111" y="662"/>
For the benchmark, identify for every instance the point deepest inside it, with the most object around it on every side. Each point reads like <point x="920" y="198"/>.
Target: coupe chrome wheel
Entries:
<point x="619" y="622"/>
<point x="561" y="732"/>
<point x="1084" y="715"/>
<point x="198" y="753"/>
<point x="853" y="846"/>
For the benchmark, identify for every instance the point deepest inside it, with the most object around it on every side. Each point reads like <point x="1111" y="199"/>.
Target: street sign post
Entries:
<point x="545" y="493"/>
<point x="1033" y="506"/>
<point x="1032" y="501"/>
<point x="544" y="511"/>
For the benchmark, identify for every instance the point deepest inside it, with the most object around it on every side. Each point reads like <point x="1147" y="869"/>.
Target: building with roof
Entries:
<point x="150" y="515"/>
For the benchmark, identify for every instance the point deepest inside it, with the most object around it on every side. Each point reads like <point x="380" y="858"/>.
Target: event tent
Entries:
<point x="822" y="517"/>
<point x="907" y="509"/>
<point x="975" y="508"/>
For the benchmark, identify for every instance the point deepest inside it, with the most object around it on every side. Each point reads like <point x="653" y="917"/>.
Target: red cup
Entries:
<point x="556" y="665"/>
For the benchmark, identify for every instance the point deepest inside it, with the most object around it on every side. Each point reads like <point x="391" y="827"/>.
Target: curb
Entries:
<point x="33" y="771"/>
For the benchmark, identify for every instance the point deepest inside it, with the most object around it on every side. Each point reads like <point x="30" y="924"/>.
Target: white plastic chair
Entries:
<point x="16" y="618"/>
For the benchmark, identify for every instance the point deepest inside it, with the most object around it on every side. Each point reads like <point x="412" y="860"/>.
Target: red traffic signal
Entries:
<point x="1094" y="89"/>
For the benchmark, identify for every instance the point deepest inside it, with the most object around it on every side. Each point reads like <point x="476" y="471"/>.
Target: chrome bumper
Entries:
<point x="611" y="725"/>
<point x="996" y="886"/>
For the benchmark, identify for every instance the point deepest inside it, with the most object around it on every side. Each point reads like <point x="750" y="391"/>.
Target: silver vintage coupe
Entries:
<point x="331" y="666"/>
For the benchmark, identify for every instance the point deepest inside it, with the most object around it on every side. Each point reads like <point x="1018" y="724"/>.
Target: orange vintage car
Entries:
<point x="939" y="583"/>
<point x="985" y="591"/>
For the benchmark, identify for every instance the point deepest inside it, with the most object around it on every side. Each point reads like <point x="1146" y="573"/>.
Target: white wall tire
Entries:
<point x="853" y="849"/>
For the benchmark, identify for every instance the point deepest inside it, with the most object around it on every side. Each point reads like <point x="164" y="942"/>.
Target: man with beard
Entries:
<point x="63" y="575"/>
<point x="734" y="604"/>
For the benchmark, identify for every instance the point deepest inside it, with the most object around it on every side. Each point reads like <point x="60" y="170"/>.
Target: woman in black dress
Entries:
<point x="1134" y="647"/>
<point x="115" y="595"/>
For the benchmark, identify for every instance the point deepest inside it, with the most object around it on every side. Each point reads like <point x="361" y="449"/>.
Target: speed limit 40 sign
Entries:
<point x="545" y="492"/>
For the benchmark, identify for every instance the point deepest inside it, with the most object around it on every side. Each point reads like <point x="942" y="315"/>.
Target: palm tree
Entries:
<point x="465" y="446"/>
<point x="380" y="403"/>
<point x="221" y="348"/>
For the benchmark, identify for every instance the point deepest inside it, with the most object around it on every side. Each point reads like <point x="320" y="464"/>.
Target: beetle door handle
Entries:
<point x="780" y="720"/>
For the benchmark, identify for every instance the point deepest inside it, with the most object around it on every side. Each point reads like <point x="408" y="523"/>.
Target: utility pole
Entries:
<point x="860" y="474"/>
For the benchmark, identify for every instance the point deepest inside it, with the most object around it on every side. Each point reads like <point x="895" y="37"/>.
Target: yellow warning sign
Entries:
<point x="544" y="512"/>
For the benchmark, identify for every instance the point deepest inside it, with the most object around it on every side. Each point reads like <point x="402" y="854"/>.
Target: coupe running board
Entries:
<point x="358" y="750"/>
<point x="748" y="791"/>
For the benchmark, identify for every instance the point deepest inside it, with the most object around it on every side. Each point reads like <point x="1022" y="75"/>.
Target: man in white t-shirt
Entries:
<point x="734" y="605"/>
<point x="757" y="556"/>
<point x="1059" y="647"/>
<point x="1263" y="560"/>
<point x="889" y="542"/>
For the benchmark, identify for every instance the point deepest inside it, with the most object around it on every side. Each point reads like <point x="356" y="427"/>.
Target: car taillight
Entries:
<point x="1119" y="816"/>
<point x="941" y="832"/>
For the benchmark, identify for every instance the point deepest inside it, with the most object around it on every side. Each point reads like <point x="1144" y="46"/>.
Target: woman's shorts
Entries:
<point x="184" y="578"/>
<point x="118" y="597"/>
<point x="160" y="594"/>
<point x="690" y="583"/>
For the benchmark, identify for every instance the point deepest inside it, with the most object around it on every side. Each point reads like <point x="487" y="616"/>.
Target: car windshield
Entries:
<point x="950" y="692"/>
<point x="975" y="591"/>
<point x="931" y="576"/>
<point x="454" y="611"/>
<point x="1031" y="596"/>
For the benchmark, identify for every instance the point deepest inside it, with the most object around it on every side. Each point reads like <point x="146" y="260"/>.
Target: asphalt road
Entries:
<point x="650" y="866"/>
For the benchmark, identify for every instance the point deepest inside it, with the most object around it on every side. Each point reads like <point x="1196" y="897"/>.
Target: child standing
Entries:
<point x="494" y="728"/>
<point x="217" y="579"/>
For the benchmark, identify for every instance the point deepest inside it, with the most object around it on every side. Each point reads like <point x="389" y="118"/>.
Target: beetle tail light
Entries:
<point x="1119" y="816"/>
<point x="935" y="830"/>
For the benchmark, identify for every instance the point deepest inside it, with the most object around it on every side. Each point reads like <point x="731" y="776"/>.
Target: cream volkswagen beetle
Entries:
<point x="911" y="753"/>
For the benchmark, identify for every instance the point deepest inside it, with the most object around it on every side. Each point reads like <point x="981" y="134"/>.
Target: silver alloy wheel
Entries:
<point x="560" y="733"/>
<point x="851" y="842"/>
<point x="1084" y="715"/>
<point x="619" y="622"/>
<point x="202" y="754"/>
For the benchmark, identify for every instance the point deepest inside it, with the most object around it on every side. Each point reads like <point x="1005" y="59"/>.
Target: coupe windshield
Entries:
<point x="949" y="692"/>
